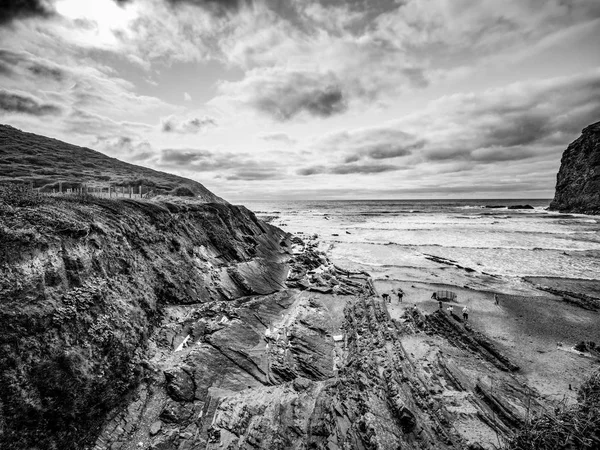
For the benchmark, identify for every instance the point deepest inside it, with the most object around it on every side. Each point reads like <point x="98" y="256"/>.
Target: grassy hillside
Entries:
<point x="28" y="157"/>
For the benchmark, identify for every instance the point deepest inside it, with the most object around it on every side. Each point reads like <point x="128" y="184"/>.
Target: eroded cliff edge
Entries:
<point x="578" y="180"/>
<point x="83" y="284"/>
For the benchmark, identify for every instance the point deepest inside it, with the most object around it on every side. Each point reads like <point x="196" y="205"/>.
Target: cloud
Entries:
<point x="22" y="103"/>
<point x="227" y="165"/>
<point x="187" y="97"/>
<point x="345" y="169"/>
<point x="284" y="95"/>
<point x="86" y="123"/>
<point x="284" y="138"/>
<point x="187" y="126"/>
<point x="184" y="157"/>
<point x="125" y="148"/>
<point x="374" y="143"/>
<point x="19" y="9"/>
<point x="255" y="174"/>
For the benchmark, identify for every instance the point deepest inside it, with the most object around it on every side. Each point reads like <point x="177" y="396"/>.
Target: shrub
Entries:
<point x="576" y="427"/>
<point x="19" y="195"/>
<point x="182" y="191"/>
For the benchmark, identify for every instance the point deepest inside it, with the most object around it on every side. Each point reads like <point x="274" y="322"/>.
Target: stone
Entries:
<point x="155" y="427"/>
<point x="301" y="384"/>
<point x="180" y="385"/>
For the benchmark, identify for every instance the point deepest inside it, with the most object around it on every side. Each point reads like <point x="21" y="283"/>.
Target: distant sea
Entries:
<point x="389" y="234"/>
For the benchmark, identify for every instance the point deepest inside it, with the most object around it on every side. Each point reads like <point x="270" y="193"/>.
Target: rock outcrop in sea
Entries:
<point x="578" y="180"/>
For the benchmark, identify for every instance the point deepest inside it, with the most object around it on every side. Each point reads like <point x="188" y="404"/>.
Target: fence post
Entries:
<point x="60" y="187"/>
<point x="130" y="189"/>
<point x="140" y="191"/>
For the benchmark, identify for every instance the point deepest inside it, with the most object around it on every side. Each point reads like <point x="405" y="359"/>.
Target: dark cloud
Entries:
<point x="187" y="126"/>
<point x="184" y="157"/>
<point x="392" y="150"/>
<point x="225" y="4"/>
<point x="24" y="104"/>
<point x="345" y="169"/>
<point x="255" y="174"/>
<point x="231" y="166"/>
<point x="375" y="143"/>
<point x="18" y="9"/>
<point x="416" y="76"/>
<point x="45" y="71"/>
<point x="8" y="60"/>
<point x="284" y="103"/>
<point x="283" y="95"/>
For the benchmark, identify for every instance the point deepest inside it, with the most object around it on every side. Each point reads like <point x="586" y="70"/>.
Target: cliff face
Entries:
<point x="578" y="180"/>
<point x="84" y="283"/>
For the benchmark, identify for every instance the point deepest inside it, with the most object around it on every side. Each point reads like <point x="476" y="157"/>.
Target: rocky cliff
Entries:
<point x="578" y="180"/>
<point x="84" y="282"/>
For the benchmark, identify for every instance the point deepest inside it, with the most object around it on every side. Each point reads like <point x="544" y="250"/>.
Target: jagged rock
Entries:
<point x="521" y="207"/>
<point x="578" y="180"/>
<point x="301" y="384"/>
<point x="165" y="441"/>
<point x="155" y="427"/>
<point x="180" y="384"/>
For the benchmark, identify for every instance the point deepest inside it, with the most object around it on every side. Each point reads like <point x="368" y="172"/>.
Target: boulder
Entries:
<point x="180" y="384"/>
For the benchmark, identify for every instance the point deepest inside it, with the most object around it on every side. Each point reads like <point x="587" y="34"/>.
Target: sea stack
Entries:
<point x="578" y="180"/>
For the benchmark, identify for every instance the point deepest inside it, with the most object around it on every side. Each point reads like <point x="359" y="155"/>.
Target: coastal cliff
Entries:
<point x="83" y="284"/>
<point x="578" y="180"/>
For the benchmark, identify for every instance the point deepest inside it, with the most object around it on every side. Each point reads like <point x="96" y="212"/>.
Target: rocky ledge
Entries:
<point x="578" y="180"/>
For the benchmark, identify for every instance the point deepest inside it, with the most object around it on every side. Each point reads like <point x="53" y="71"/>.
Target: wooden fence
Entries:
<point x="107" y="191"/>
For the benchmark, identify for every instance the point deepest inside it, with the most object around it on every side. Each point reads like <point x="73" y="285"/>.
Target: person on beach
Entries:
<point x="400" y="295"/>
<point x="440" y="302"/>
<point x="450" y="309"/>
<point x="496" y="299"/>
<point x="434" y="296"/>
<point x="465" y="312"/>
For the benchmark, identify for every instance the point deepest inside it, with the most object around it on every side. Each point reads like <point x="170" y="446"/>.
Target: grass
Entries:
<point x="28" y="158"/>
<point x="574" y="427"/>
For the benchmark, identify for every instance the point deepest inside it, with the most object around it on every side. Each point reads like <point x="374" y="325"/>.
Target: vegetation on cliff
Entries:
<point x="573" y="427"/>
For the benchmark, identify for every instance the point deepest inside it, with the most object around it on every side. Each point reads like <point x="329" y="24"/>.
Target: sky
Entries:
<point x="329" y="99"/>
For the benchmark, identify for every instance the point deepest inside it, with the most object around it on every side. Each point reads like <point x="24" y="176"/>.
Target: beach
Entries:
<point x="539" y="263"/>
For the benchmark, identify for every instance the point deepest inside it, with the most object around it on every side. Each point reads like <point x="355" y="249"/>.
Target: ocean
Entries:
<point x="469" y="242"/>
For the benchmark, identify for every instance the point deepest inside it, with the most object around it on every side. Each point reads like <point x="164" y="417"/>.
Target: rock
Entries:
<point x="521" y="207"/>
<point x="180" y="385"/>
<point x="165" y="441"/>
<point x="301" y="384"/>
<point x="155" y="427"/>
<point x="578" y="180"/>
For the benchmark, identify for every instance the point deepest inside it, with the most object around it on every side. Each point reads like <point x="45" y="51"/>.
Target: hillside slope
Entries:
<point x="578" y="180"/>
<point x="28" y="157"/>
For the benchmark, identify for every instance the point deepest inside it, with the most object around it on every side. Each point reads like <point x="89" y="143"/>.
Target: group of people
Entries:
<point x="450" y="309"/>
<point x="386" y="297"/>
<point x="465" y="311"/>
